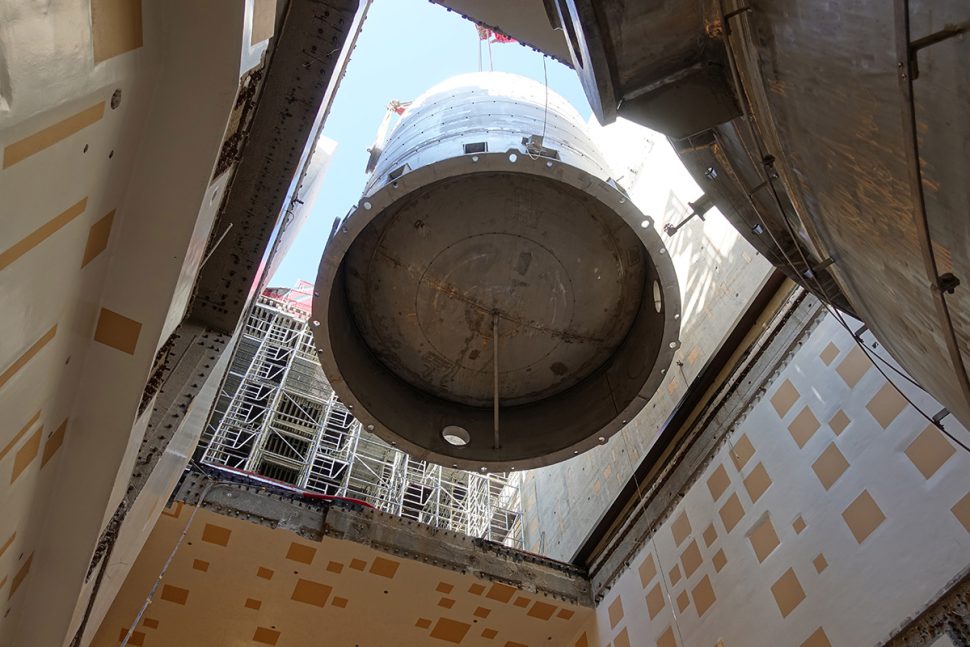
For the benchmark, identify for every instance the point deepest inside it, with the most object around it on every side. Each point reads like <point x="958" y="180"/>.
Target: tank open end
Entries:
<point x="494" y="300"/>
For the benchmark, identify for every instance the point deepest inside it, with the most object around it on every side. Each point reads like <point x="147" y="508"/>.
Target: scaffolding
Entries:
<point x="278" y="417"/>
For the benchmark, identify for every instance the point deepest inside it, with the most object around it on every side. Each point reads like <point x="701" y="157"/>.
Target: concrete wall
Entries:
<point x="719" y="274"/>
<point x="112" y="116"/>
<point x="257" y="570"/>
<point x="831" y="514"/>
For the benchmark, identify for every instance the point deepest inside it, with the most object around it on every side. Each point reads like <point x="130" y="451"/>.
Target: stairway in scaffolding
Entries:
<point x="330" y="465"/>
<point x="235" y="437"/>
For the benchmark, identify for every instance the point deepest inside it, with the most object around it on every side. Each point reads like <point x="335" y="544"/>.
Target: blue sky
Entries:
<point x="406" y="46"/>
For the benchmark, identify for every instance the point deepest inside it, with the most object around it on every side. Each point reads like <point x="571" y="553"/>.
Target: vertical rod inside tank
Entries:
<point x="495" y="377"/>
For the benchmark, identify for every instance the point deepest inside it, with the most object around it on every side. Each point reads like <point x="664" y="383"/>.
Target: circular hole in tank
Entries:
<point x="673" y="344"/>
<point x="513" y="157"/>
<point x="116" y="99"/>
<point x="367" y="205"/>
<point x="474" y="158"/>
<point x="455" y="435"/>
<point x="658" y="299"/>
<point x="645" y="224"/>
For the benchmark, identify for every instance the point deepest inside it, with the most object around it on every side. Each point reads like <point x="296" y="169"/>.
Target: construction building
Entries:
<point x="664" y="345"/>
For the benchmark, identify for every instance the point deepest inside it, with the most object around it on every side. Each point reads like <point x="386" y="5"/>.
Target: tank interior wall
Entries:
<point x="830" y="515"/>
<point x="719" y="274"/>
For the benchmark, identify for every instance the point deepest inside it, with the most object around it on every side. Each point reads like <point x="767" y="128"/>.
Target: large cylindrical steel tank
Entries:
<point x="494" y="301"/>
<point x="832" y="135"/>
